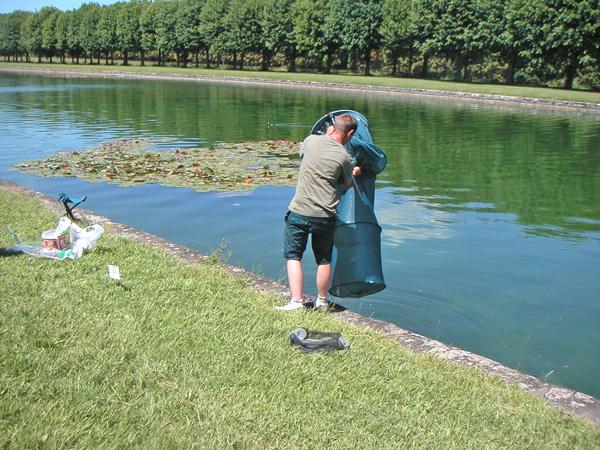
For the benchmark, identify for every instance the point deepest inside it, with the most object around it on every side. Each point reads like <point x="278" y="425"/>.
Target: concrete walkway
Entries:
<point x="564" y="399"/>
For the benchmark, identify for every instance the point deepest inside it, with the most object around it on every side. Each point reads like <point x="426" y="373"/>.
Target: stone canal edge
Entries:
<point x="563" y="399"/>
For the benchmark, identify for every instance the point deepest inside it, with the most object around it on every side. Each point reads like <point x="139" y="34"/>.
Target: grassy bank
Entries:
<point x="412" y="83"/>
<point x="182" y="356"/>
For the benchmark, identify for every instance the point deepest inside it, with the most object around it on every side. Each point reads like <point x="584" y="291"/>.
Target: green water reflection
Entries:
<point x="543" y="168"/>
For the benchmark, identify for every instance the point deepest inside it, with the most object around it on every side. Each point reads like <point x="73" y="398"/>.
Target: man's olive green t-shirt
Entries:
<point x="325" y="169"/>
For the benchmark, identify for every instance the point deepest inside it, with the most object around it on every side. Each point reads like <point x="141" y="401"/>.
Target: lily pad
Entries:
<point x="226" y="167"/>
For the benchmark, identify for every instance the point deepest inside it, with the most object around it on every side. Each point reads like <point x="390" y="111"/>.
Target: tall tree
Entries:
<point x="10" y="34"/>
<point x="128" y="29"/>
<point x="49" y="32"/>
<point x="32" y="32"/>
<point x="355" y="24"/>
<point x="166" y="33"/>
<point x="74" y="43"/>
<point x="62" y="32"/>
<point x="509" y="27"/>
<point x="88" y="34"/>
<point x="424" y="17"/>
<point x="277" y="27"/>
<point x="451" y="29"/>
<point x="187" y="27"/>
<point x="148" y="26"/>
<point x="243" y="33"/>
<point x="590" y="61"/>
<point x="106" y="33"/>
<point x="310" y="35"/>
<point x="212" y="26"/>
<point x="567" y="28"/>
<point x="397" y="33"/>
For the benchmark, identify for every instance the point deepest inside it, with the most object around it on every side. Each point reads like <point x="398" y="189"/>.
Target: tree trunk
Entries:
<point x="328" y="63"/>
<point x="458" y="68"/>
<point x="292" y="64"/>
<point x="353" y="62"/>
<point x="368" y="63"/>
<point x="344" y="59"/>
<point x="570" y="75"/>
<point x="266" y="60"/>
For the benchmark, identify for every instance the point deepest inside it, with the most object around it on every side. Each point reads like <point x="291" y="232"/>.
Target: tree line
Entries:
<point x="526" y="42"/>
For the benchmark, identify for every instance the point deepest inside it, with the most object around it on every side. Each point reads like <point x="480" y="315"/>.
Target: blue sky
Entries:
<point x="7" y="6"/>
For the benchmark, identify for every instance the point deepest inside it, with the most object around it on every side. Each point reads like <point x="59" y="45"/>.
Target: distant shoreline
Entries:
<point x="430" y="93"/>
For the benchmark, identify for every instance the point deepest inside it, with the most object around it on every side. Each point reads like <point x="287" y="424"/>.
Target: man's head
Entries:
<point x="343" y="129"/>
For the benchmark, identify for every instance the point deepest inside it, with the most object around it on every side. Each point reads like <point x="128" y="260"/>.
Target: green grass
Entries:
<point x="185" y="356"/>
<point x="413" y="83"/>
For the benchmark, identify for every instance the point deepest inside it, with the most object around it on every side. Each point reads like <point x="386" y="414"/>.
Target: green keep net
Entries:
<point x="357" y="270"/>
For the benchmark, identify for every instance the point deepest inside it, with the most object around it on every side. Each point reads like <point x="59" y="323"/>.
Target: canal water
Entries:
<point x="490" y="214"/>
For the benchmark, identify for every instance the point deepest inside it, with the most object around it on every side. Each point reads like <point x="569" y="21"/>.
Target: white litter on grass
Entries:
<point x="113" y="272"/>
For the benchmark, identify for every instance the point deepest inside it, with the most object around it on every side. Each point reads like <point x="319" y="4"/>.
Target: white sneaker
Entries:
<point x="321" y="303"/>
<point x="292" y="305"/>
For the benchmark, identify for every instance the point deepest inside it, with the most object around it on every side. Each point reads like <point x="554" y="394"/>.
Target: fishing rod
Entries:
<point x="357" y="189"/>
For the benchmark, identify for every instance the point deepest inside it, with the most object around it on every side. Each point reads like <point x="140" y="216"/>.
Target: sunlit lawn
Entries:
<point x="184" y="356"/>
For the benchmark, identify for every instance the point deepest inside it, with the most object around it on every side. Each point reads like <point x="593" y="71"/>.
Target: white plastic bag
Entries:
<point x="84" y="238"/>
<point x="90" y="234"/>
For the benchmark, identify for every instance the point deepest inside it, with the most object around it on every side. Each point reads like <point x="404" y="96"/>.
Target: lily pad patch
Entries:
<point x="226" y="167"/>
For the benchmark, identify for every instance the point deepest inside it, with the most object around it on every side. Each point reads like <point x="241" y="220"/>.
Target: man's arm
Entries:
<point x="356" y="171"/>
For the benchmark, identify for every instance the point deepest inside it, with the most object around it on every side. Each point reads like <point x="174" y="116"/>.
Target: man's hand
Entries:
<point x="355" y="172"/>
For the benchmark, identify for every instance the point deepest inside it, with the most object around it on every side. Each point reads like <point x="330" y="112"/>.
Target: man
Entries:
<point x="325" y="174"/>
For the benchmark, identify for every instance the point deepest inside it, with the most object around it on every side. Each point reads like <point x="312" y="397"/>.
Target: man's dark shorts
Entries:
<point x="297" y="229"/>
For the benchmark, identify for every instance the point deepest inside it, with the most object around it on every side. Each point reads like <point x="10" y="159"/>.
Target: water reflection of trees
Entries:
<point x="544" y="168"/>
<point x="209" y="111"/>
